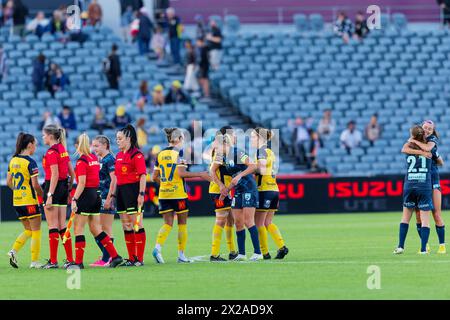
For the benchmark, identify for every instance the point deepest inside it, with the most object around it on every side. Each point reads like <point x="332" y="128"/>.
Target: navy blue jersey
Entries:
<point x="234" y="163"/>
<point x="434" y="152"/>
<point x="106" y="167"/>
<point x="418" y="174"/>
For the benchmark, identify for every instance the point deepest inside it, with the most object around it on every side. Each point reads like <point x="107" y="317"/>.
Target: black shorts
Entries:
<point x="176" y="205"/>
<point x="203" y="73"/>
<point x="268" y="201"/>
<point x="89" y="202"/>
<point x="28" y="212"/>
<point x="60" y="195"/>
<point x="220" y="205"/>
<point x="127" y="195"/>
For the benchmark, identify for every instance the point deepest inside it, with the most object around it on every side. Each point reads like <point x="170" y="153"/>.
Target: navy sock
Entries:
<point x="441" y="234"/>
<point x="402" y="234"/>
<point x="241" y="241"/>
<point x="424" y="235"/>
<point x="418" y="226"/>
<point x="102" y="248"/>
<point x="255" y="239"/>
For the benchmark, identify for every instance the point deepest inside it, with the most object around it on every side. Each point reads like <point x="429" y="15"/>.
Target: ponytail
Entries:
<point x="83" y="145"/>
<point x="264" y="133"/>
<point x="173" y="134"/>
<point x="23" y="140"/>
<point x="58" y="133"/>
<point x="62" y="137"/>
<point x="130" y="132"/>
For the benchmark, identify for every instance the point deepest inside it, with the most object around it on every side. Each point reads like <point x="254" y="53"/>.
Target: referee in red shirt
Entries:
<point x="86" y="204"/>
<point x="131" y="173"/>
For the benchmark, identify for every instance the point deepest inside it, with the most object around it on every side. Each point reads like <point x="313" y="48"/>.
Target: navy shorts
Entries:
<point x="176" y="205"/>
<point x="435" y="181"/>
<point x="245" y="200"/>
<point x="268" y="201"/>
<point x="418" y="198"/>
<point x="220" y="205"/>
<point x="106" y="211"/>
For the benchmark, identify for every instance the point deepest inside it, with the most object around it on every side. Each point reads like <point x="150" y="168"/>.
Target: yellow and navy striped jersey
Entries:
<point x="268" y="181"/>
<point x="221" y="174"/>
<point x="172" y="186"/>
<point x="22" y="169"/>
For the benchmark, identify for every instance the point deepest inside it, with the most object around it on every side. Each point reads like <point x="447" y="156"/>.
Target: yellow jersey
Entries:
<point x="220" y="172"/>
<point x="22" y="169"/>
<point x="172" y="186"/>
<point x="268" y="181"/>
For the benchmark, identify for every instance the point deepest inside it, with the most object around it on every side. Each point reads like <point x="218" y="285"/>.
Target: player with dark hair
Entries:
<point x="131" y="173"/>
<point x="22" y="178"/>
<point x="417" y="191"/>
<point x="102" y="148"/>
<point x="268" y="193"/>
<point x="86" y="204"/>
<point x="59" y="175"/>
<point x="170" y="172"/>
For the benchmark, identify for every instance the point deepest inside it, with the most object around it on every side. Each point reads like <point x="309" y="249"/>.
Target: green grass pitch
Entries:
<point x="329" y="258"/>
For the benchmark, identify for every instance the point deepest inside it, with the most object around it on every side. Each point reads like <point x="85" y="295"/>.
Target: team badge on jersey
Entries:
<point x="267" y="204"/>
<point x="247" y="196"/>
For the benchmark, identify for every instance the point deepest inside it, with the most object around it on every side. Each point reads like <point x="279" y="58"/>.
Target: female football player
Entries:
<point x="237" y="164"/>
<point x="58" y="168"/>
<point x="417" y="192"/>
<point x="431" y="145"/>
<point x="170" y="172"/>
<point x="268" y="195"/>
<point x="22" y="178"/>
<point x="131" y="173"/>
<point x="86" y="204"/>
<point x="101" y="146"/>
<point x="224" y="218"/>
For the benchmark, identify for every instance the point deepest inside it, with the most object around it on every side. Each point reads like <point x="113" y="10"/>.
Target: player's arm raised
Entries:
<point x="408" y="150"/>
<point x="186" y="174"/>
<point x="424" y="146"/>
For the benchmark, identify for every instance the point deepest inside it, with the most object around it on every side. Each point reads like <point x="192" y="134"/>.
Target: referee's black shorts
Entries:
<point x="60" y="195"/>
<point x="89" y="202"/>
<point x="127" y="195"/>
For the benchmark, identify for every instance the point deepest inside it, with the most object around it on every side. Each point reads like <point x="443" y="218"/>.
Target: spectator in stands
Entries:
<point x="445" y="7"/>
<point x="49" y="74"/>
<point x="94" y="13"/>
<point x="326" y="125"/>
<point x="344" y="27"/>
<point x="361" y="29"/>
<point x="67" y="119"/>
<point x="20" y="13"/>
<point x="3" y="64"/>
<point x="173" y="24"/>
<point x="121" y="118"/>
<point x="190" y="80"/>
<point x="158" y="43"/>
<point x="100" y="122"/>
<point x="38" y="75"/>
<point x="315" y="143"/>
<point x="176" y="94"/>
<point x="158" y="98"/>
<point x="203" y="68"/>
<point x="8" y="13"/>
<point x="57" y="24"/>
<point x="39" y="25"/>
<point x="47" y="119"/>
<point x="373" y="130"/>
<point x="214" y="38"/>
<point x="126" y="18"/>
<point x="143" y="92"/>
<point x="151" y="157"/>
<point x="112" y="68"/>
<point x="144" y="34"/>
<point x="141" y="132"/>
<point x="200" y="32"/>
<point x="351" y="137"/>
<point x="59" y="80"/>
<point x="300" y="136"/>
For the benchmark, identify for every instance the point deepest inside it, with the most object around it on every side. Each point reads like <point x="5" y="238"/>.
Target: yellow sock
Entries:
<point x="21" y="239"/>
<point x="276" y="235"/>
<point x="35" y="245"/>
<point x="216" y="238"/>
<point x="163" y="233"/>
<point x="229" y="233"/>
<point x="182" y="237"/>
<point x="263" y="241"/>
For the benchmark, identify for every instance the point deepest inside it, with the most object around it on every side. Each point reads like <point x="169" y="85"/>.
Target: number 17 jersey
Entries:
<point x="172" y="186"/>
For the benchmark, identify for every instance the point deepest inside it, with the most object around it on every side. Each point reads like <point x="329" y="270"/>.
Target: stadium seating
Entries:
<point x="399" y="74"/>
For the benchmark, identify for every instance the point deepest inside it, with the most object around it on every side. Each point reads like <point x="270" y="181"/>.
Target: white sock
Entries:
<point x="181" y="255"/>
<point x="158" y="247"/>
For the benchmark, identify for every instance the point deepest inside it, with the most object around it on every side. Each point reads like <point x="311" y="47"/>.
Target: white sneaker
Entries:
<point x="157" y="255"/>
<point x="183" y="259"/>
<point x="13" y="259"/>
<point x="36" y="265"/>
<point x="256" y="257"/>
<point x="399" y="250"/>
<point x="240" y="257"/>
